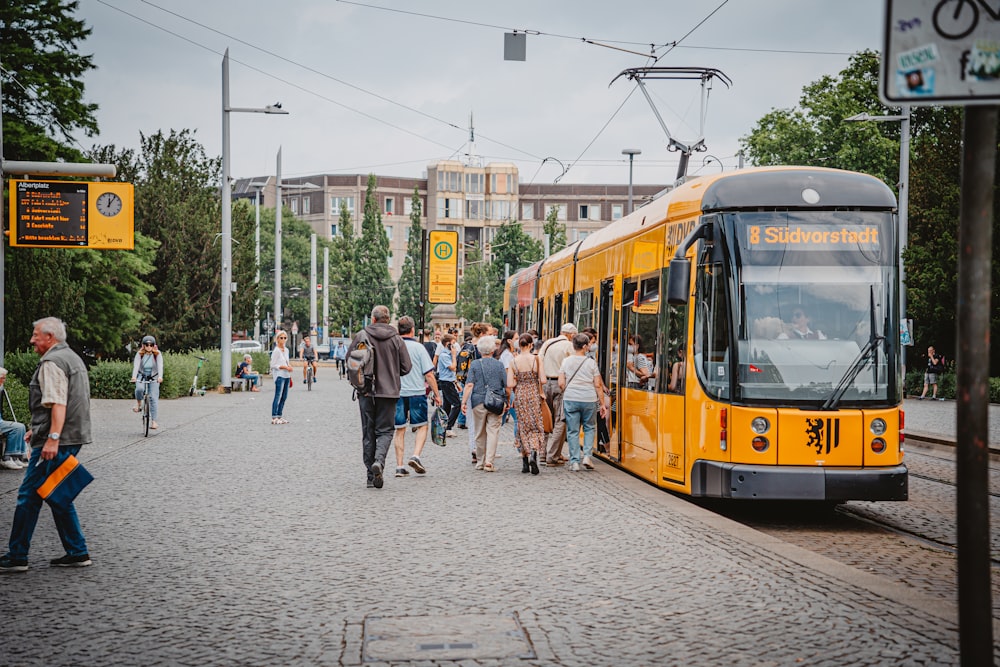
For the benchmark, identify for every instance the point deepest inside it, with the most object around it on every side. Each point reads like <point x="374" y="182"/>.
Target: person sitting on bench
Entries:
<point x="245" y="372"/>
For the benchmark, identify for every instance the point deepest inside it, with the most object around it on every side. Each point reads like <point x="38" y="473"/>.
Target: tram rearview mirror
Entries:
<point x="678" y="282"/>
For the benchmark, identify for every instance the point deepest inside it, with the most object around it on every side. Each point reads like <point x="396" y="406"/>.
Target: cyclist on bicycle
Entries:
<point x="340" y="356"/>
<point x="148" y="367"/>
<point x="307" y="353"/>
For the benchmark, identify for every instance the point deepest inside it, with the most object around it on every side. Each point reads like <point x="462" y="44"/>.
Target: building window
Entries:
<point x="293" y="204"/>
<point x="305" y="205"/>
<point x="450" y="181"/>
<point x="475" y="183"/>
<point x="475" y="209"/>
<point x="388" y="231"/>
<point x="336" y="203"/>
<point x="590" y="212"/>
<point x="561" y="208"/>
<point x="449" y="208"/>
<point x="498" y="209"/>
<point x="581" y="235"/>
<point x="333" y="231"/>
<point x="528" y="211"/>
<point x="408" y="205"/>
<point x="390" y="205"/>
<point x="616" y="211"/>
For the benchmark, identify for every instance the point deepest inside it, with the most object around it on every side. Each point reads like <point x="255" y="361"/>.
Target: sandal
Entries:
<point x="137" y="409"/>
<point x="488" y="467"/>
<point x="274" y="420"/>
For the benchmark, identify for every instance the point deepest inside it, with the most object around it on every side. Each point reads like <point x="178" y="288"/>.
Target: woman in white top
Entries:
<point x="281" y="371"/>
<point x="582" y="386"/>
<point x="148" y="367"/>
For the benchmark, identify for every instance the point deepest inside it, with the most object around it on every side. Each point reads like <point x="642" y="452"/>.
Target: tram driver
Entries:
<point x="800" y="328"/>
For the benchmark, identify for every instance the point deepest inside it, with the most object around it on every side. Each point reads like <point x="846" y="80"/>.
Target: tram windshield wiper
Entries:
<point x="867" y="352"/>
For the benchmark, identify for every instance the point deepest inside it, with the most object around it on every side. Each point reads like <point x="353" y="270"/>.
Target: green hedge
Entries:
<point x="110" y="379"/>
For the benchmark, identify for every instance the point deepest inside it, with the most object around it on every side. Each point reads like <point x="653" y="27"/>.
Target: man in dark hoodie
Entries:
<point x="378" y="410"/>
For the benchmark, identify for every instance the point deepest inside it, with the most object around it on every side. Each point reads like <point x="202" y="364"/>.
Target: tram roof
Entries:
<point x="525" y="275"/>
<point x="560" y="259"/>
<point x="751" y="188"/>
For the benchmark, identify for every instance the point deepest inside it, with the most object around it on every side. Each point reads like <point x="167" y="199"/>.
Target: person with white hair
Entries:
<point x="59" y="400"/>
<point x="553" y="353"/>
<point x="485" y="374"/>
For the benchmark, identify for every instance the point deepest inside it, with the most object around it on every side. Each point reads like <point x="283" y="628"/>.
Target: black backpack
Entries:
<point x="466" y="356"/>
<point x="361" y="365"/>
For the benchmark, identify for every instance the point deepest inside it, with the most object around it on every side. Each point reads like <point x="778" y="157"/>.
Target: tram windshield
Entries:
<point x="817" y="289"/>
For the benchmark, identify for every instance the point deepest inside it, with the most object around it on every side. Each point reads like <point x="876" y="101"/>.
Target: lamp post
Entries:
<point x="256" y="281"/>
<point x="903" y="205"/>
<point x="227" y="224"/>
<point x="631" y="152"/>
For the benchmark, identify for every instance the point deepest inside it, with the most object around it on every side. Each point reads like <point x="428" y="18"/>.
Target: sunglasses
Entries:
<point x="798" y="315"/>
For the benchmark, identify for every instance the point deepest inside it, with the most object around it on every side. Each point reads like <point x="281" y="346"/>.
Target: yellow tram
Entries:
<point x="766" y="304"/>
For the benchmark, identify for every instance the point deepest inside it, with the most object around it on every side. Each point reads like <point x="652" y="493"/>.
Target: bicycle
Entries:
<point x="146" y="407"/>
<point x="960" y="22"/>
<point x="309" y="376"/>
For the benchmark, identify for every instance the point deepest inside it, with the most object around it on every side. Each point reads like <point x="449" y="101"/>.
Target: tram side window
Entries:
<point x="642" y="326"/>
<point x="585" y="309"/>
<point x="711" y="343"/>
<point x="676" y="354"/>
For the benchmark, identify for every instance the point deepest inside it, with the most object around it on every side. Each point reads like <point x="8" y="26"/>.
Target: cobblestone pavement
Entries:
<point x="938" y="419"/>
<point x="223" y="540"/>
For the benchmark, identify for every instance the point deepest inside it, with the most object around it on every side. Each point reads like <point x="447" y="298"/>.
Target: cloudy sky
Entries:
<point x="388" y="86"/>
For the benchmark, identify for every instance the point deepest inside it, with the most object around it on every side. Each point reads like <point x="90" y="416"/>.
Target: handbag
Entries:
<point x="439" y="426"/>
<point x="64" y="483"/>
<point x="546" y="416"/>
<point x="494" y="401"/>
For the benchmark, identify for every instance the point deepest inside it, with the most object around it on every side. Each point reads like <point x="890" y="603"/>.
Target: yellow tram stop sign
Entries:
<point x="442" y="267"/>
<point x="72" y="214"/>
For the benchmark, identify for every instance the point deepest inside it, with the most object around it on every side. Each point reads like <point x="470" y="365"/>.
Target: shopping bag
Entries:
<point x="439" y="426"/>
<point x="65" y="482"/>
<point x="546" y="417"/>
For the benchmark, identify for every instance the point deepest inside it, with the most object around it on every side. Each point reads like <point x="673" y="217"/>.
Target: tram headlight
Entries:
<point x="877" y="426"/>
<point x="878" y="445"/>
<point x="760" y="444"/>
<point x="760" y="425"/>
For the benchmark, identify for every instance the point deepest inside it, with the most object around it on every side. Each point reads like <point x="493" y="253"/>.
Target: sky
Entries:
<point x="388" y="86"/>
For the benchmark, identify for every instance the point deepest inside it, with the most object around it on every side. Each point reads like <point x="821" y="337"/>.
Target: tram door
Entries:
<point x="607" y="356"/>
<point x="637" y="408"/>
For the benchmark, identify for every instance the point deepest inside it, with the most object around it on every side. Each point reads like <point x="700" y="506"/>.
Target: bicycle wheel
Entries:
<point x="309" y="378"/>
<point x="145" y="414"/>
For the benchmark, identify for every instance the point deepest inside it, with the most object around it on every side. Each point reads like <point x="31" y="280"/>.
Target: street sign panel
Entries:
<point x="72" y="214"/>
<point x="442" y="267"/>
<point x="941" y="51"/>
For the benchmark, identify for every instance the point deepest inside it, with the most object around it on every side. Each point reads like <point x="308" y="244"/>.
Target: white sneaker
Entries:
<point x="449" y="434"/>
<point x="575" y="467"/>
<point x="587" y="463"/>
<point x="10" y="464"/>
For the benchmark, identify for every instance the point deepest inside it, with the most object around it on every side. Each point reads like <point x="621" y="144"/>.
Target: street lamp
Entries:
<point x="631" y="152"/>
<point x="227" y="223"/>
<point x="904" y="193"/>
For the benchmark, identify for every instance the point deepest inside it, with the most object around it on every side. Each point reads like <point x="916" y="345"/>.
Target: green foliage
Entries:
<point x="480" y="293"/>
<point x="555" y="230"/>
<point x="512" y="247"/>
<point x="372" y="282"/>
<point x="408" y="302"/>
<point x="110" y="379"/>
<point x="18" y="394"/>
<point x="21" y="365"/>
<point x="343" y="311"/>
<point x="43" y="112"/>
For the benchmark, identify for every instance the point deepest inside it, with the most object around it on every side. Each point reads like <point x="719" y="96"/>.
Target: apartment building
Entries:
<point x="473" y="200"/>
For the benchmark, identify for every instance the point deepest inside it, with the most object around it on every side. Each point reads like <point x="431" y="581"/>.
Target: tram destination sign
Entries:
<point x="72" y="214"/>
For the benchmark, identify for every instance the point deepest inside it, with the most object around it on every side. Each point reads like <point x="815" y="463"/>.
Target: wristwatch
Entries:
<point x="53" y="436"/>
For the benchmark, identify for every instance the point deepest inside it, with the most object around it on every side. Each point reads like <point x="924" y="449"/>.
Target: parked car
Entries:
<point x="246" y="346"/>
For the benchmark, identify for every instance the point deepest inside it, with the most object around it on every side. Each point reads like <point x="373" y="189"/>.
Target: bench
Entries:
<point x="240" y="384"/>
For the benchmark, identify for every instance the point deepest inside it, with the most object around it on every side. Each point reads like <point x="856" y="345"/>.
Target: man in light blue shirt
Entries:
<point x="412" y="404"/>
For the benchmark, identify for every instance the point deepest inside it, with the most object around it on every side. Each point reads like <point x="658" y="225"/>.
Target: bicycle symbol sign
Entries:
<point x="941" y="51"/>
<point x="443" y="250"/>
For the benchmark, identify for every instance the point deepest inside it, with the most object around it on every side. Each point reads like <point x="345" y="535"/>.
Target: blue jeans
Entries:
<point x="280" y="394"/>
<point x="29" y="503"/>
<point x="13" y="435"/>
<point x="154" y="396"/>
<point x="577" y="413"/>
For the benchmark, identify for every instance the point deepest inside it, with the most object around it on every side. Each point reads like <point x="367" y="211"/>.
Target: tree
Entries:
<point x="44" y="108"/>
<point x="408" y="302"/>
<point x="373" y="284"/>
<point x="816" y="134"/>
<point x="555" y="230"/>
<point x="479" y="295"/>
<point x="513" y="248"/>
<point x="343" y="311"/>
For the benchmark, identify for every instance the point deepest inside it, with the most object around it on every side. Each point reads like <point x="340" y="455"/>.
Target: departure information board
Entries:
<point x="72" y="214"/>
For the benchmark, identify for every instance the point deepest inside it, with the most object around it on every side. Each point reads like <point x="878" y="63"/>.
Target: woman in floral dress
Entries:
<point x="523" y="378"/>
